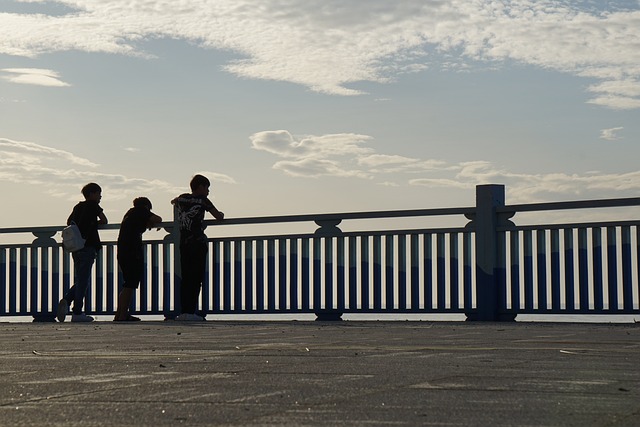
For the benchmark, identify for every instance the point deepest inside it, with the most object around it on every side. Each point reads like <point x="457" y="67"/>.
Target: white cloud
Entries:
<point x="327" y="45"/>
<point x="33" y="76"/>
<point x="610" y="134"/>
<point x="62" y="173"/>
<point x="387" y="170"/>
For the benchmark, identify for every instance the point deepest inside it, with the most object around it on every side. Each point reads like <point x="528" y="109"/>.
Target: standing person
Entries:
<point x="87" y="216"/>
<point x="191" y="209"/>
<point x="130" y="253"/>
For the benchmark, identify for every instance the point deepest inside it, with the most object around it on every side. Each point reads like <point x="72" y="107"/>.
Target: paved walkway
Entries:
<point x="312" y="373"/>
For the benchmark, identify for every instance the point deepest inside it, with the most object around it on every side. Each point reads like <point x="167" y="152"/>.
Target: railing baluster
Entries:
<point x="441" y="273"/>
<point x="237" y="274"/>
<point x="260" y="283"/>
<point x="428" y="271"/>
<point x="569" y="276"/>
<point x="627" y="284"/>
<point x="293" y="275"/>
<point x="340" y="273"/>
<point x="306" y="274"/>
<point x="113" y="287"/>
<point x="317" y="274"/>
<point x="454" y="275"/>
<point x="3" y="275"/>
<point x="612" y="269"/>
<point x="364" y="272"/>
<point x="402" y="272"/>
<point x="13" y="281"/>
<point x="389" y="271"/>
<point x="282" y="278"/>
<point x="467" y="248"/>
<point x="598" y="289"/>
<point x="555" y="270"/>
<point x="154" y="288"/>
<point x="415" y="272"/>
<point x="248" y="275"/>
<point x="353" y="271"/>
<point x="226" y="276"/>
<point x="24" y="280"/>
<point x="583" y="270"/>
<point x="377" y="273"/>
<point x="541" y="245"/>
<point x="328" y="273"/>
<point x="527" y="241"/>
<point x="515" y="269"/>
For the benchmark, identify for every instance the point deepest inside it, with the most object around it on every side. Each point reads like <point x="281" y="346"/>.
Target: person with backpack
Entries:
<point x="87" y="215"/>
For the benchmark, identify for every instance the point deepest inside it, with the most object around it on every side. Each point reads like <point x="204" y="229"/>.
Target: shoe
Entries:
<point x="63" y="310"/>
<point x="129" y="318"/>
<point x="189" y="317"/>
<point x="81" y="318"/>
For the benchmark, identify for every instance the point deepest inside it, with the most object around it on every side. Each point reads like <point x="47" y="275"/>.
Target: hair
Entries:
<point x="199" y="180"/>
<point x="90" y="188"/>
<point x="142" y="202"/>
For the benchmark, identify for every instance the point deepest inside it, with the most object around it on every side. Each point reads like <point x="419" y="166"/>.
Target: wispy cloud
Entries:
<point x="322" y="158"/>
<point x="610" y="134"/>
<point x="33" y="76"/>
<point x="62" y="172"/>
<point x="328" y="45"/>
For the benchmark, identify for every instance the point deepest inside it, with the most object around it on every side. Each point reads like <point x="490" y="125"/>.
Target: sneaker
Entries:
<point x="189" y="317"/>
<point x="63" y="310"/>
<point x="81" y="318"/>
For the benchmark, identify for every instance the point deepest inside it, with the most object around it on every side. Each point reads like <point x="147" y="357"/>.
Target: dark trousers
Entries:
<point x="193" y="261"/>
<point x="83" y="260"/>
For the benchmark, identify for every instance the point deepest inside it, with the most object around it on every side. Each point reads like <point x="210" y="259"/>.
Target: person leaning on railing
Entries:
<point x="130" y="253"/>
<point x="191" y="209"/>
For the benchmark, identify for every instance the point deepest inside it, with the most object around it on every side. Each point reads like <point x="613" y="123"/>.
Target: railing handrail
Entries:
<point x="281" y="218"/>
<point x="577" y="204"/>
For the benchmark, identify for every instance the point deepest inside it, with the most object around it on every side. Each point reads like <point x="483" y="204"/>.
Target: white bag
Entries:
<point x="72" y="238"/>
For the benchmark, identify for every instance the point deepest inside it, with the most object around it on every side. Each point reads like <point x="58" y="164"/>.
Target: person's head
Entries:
<point x="200" y="185"/>
<point x="142" y="202"/>
<point x="92" y="191"/>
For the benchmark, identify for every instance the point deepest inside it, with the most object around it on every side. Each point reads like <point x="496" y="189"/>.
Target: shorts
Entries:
<point x="132" y="267"/>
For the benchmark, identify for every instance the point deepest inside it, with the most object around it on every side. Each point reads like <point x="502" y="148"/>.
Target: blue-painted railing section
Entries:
<point x="490" y="269"/>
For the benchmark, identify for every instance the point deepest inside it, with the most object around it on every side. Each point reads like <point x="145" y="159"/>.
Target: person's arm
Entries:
<point x="216" y="213"/>
<point x="153" y="221"/>
<point x="102" y="219"/>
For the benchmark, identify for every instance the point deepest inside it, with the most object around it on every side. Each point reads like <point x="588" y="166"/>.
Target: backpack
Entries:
<point x="72" y="239"/>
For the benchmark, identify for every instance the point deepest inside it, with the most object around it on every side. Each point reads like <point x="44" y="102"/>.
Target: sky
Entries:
<point x="304" y="106"/>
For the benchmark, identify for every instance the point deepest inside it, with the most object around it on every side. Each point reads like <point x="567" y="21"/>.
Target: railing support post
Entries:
<point x="177" y="268"/>
<point x="488" y="198"/>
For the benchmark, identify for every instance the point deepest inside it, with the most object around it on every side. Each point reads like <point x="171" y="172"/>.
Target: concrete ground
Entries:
<point x="247" y="373"/>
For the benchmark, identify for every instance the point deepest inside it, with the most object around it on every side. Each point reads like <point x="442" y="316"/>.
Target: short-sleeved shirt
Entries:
<point x="134" y="223"/>
<point x="85" y="215"/>
<point x="190" y="212"/>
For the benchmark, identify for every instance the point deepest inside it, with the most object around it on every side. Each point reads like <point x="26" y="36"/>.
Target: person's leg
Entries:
<point x="193" y="261"/>
<point x="131" y="264"/>
<point x="83" y="260"/>
<point x="124" y="301"/>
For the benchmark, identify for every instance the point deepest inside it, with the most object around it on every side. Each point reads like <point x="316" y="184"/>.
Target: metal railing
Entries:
<point x="488" y="269"/>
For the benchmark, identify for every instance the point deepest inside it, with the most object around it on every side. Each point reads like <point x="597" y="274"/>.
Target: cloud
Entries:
<point x="33" y="76"/>
<point x="326" y="46"/>
<point x="610" y="134"/>
<point x="62" y="173"/>
<point x="322" y="158"/>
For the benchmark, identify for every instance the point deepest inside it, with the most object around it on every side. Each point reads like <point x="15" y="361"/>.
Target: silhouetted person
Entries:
<point x="87" y="215"/>
<point x="131" y="253"/>
<point x="191" y="209"/>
